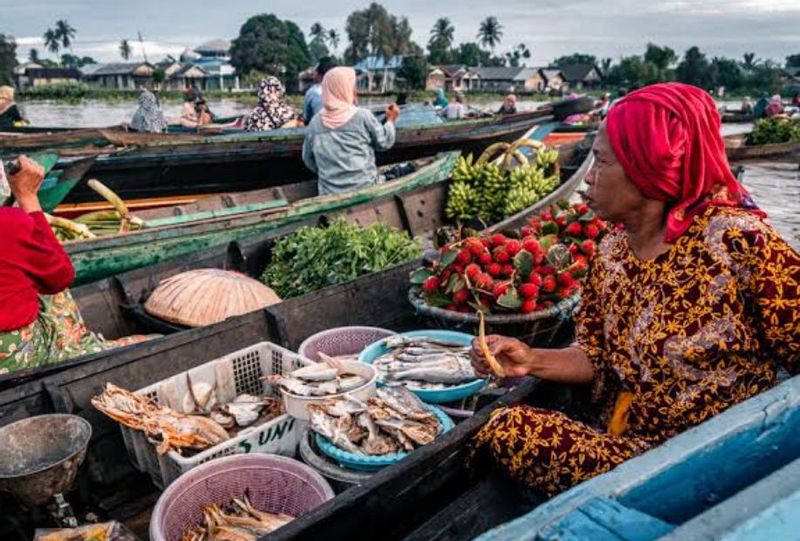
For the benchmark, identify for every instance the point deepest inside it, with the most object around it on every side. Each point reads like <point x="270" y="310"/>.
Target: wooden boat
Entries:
<point x="718" y="480"/>
<point x="183" y="230"/>
<point x="736" y="117"/>
<point x="737" y="149"/>
<point x="433" y="495"/>
<point x="109" y="305"/>
<point x="252" y="161"/>
<point x="174" y="236"/>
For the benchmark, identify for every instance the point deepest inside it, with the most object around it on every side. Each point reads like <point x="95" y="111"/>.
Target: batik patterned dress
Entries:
<point x="689" y="334"/>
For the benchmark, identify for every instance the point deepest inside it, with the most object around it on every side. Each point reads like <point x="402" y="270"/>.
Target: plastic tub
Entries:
<point x="341" y="341"/>
<point x="431" y="396"/>
<point x="275" y="484"/>
<point x="296" y="405"/>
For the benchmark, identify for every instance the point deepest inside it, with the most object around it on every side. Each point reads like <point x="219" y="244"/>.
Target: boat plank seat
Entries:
<point x="604" y="519"/>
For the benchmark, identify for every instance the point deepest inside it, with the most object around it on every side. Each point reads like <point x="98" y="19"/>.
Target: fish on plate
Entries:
<point x="425" y="363"/>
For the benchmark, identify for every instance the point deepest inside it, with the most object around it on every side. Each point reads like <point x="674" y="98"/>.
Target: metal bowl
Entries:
<point x="40" y="456"/>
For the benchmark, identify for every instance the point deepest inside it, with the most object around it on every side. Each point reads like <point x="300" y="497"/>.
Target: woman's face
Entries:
<point x="610" y="194"/>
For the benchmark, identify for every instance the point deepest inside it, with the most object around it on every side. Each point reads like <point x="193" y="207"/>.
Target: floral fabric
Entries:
<point x="272" y="111"/>
<point x="57" y="335"/>
<point x="690" y="333"/>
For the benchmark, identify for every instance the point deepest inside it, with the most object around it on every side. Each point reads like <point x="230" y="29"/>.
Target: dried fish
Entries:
<point x="420" y="362"/>
<point x="165" y="427"/>
<point x="238" y="521"/>
<point x="320" y="379"/>
<point x="393" y="421"/>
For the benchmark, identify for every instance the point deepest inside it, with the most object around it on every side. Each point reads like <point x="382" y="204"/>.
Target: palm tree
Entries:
<point x="490" y="32"/>
<point x="606" y="66"/>
<point x="125" y="49"/>
<point x="65" y="33"/>
<point x="33" y="55"/>
<point x="333" y="39"/>
<point x="750" y="61"/>
<point x="317" y="32"/>
<point x="442" y="32"/>
<point x="51" y="41"/>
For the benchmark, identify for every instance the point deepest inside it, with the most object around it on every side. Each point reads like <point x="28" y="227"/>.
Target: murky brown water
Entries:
<point x="776" y="188"/>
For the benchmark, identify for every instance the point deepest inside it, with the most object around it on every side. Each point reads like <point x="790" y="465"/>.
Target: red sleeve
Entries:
<point x="37" y="253"/>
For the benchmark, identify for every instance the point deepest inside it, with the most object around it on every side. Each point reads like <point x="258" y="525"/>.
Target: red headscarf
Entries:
<point x="667" y="138"/>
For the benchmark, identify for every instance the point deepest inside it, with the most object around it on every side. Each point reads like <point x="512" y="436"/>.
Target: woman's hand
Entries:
<point x="514" y="355"/>
<point x="392" y="112"/>
<point x="25" y="184"/>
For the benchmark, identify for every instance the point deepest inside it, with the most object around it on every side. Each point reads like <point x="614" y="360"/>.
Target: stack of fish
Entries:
<point x="421" y="362"/>
<point x="243" y="411"/>
<point x="393" y="421"/>
<point x="320" y="379"/>
<point x="238" y="521"/>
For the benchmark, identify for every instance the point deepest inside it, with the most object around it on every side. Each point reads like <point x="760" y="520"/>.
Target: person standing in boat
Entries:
<point x="690" y="305"/>
<point x="775" y="106"/>
<point x="10" y="115"/>
<point x="272" y="111"/>
<point x="39" y="321"/>
<point x="312" y="103"/>
<point x="341" y="141"/>
<point x="148" y="118"/>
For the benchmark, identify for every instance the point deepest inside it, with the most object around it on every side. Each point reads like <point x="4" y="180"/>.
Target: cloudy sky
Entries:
<point x="607" y="28"/>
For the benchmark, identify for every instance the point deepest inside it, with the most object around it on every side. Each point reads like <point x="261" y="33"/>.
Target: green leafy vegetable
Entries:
<point x="313" y="257"/>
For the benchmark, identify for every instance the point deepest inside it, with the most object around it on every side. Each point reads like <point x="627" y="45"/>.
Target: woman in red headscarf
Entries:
<point x="689" y="307"/>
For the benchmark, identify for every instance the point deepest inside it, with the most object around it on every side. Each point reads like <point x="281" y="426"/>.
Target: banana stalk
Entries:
<point x="68" y="230"/>
<point x="491" y="151"/>
<point x="106" y="193"/>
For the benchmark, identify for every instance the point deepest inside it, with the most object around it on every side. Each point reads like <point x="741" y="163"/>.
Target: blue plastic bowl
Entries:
<point x="431" y="396"/>
<point x="373" y="463"/>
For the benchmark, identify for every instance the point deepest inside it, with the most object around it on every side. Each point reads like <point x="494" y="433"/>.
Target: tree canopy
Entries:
<point x="8" y="58"/>
<point x="575" y="58"/>
<point x="374" y="31"/>
<point x="272" y="46"/>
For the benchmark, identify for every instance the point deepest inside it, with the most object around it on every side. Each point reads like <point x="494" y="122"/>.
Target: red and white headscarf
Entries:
<point x="667" y="138"/>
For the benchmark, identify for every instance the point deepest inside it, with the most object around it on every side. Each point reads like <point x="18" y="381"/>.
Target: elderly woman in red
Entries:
<point x="39" y="322"/>
<point x="690" y="306"/>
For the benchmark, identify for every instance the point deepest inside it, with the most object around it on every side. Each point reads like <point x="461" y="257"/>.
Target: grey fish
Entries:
<point x="316" y="372"/>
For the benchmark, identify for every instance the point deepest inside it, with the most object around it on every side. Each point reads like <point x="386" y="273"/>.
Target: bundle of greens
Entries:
<point x="775" y="130"/>
<point x="315" y="257"/>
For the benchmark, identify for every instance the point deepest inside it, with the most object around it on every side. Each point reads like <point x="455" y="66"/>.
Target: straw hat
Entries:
<point x="206" y="296"/>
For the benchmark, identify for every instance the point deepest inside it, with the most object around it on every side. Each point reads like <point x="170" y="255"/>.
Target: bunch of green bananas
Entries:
<point x="487" y="192"/>
<point x="107" y="222"/>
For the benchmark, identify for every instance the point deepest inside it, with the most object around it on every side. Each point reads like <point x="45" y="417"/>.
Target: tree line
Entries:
<point x="662" y="64"/>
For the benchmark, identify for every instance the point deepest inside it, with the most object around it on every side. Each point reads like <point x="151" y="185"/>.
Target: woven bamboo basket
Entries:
<point x="206" y="296"/>
<point x="542" y="329"/>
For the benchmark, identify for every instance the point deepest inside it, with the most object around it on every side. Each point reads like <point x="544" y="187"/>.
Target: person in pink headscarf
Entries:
<point x="342" y="139"/>
<point x="689" y="307"/>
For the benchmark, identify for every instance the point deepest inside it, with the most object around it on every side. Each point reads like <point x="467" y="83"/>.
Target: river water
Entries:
<point x="775" y="186"/>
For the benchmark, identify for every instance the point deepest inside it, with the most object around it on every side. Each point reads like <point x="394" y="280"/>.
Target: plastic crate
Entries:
<point x="236" y="373"/>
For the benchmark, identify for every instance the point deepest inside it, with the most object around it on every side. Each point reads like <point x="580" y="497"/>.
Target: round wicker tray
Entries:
<point x="542" y="328"/>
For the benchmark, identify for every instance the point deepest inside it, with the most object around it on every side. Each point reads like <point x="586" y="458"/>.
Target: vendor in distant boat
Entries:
<point x="456" y="109"/>
<point x="10" y="115"/>
<point x="341" y="141"/>
<point x="440" y="100"/>
<point x="509" y="106"/>
<point x="775" y="106"/>
<point x="747" y="105"/>
<point x="312" y="104"/>
<point x="272" y="111"/>
<point x="39" y="321"/>
<point x="189" y="117"/>
<point x="204" y="114"/>
<point x="691" y="304"/>
<point x="148" y="118"/>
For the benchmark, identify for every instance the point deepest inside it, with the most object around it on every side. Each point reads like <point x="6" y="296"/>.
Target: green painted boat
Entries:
<point x="95" y="259"/>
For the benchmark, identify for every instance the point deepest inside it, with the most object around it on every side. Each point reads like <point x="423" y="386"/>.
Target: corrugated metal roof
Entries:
<point x="496" y="74"/>
<point x="116" y="68"/>
<point x="374" y="63"/>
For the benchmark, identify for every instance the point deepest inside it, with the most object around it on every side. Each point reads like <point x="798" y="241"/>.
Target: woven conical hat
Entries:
<point x="205" y="296"/>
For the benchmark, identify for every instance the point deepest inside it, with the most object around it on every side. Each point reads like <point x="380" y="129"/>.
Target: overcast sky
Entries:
<point x="550" y="28"/>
